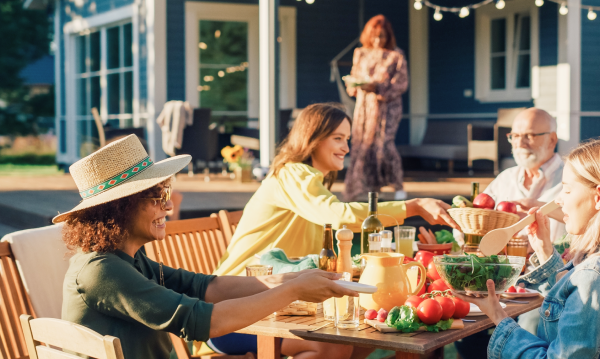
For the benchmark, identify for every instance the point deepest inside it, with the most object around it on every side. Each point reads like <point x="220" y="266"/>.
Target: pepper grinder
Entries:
<point x="344" y="238"/>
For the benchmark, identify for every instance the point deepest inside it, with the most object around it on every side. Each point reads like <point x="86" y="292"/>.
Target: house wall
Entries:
<point x="590" y="71"/>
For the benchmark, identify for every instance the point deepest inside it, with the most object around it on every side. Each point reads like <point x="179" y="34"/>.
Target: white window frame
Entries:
<point x="81" y="26"/>
<point x="197" y="11"/>
<point x="483" y="20"/>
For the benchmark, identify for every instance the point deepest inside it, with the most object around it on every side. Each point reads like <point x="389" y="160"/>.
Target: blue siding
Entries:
<point x="590" y="53"/>
<point x="452" y="67"/>
<point x="61" y="45"/>
<point x="176" y="50"/>
<point x="590" y="127"/>
<point x="89" y="8"/>
<point x="143" y="71"/>
<point x="548" y="15"/>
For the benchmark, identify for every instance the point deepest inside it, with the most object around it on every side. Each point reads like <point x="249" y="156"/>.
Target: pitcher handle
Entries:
<point x="423" y="275"/>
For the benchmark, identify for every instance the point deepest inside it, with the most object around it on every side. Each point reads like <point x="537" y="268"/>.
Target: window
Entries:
<point x="104" y="80"/>
<point x="506" y="50"/>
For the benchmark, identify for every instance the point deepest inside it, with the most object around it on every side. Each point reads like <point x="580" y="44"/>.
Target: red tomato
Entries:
<point x="432" y="272"/>
<point x="371" y="314"/>
<point x="382" y="315"/>
<point x="511" y="289"/>
<point x="448" y="306"/>
<point x="521" y="290"/>
<point x="484" y="201"/>
<point x="439" y="284"/>
<point x="430" y="311"/>
<point x="423" y="289"/>
<point x="461" y="308"/>
<point x="414" y="301"/>
<point x="424" y="257"/>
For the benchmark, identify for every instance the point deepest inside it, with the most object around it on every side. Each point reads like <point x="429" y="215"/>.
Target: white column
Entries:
<point x="570" y="47"/>
<point x="156" y="42"/>
<point x="269" y="94"/>
<point x="418" y="65"/>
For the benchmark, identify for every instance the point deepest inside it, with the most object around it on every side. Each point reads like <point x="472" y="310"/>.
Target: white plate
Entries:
<point x="358" y="287"/>
<point x="529" y="293"/>
<point x="475" y="311"/>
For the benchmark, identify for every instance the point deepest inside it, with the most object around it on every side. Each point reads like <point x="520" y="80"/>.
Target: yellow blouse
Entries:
<point x="288" y="212"/>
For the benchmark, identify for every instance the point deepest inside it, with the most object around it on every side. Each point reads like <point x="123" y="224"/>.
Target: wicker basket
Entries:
<point x="480" y="221"/>
<point x="300" y="307"/>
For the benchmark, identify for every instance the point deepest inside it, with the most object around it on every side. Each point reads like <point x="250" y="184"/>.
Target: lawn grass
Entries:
<point x="29" y="170"/>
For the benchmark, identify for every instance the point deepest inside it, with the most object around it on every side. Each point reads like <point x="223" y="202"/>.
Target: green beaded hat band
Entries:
<point x="118" y="170"/>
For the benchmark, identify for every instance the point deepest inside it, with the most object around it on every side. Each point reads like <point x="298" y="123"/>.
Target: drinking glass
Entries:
<point x="258" y="270"/>
<point x="329" y="309"/>
<point x="347" y="308"/>
<point x="405" y="235"/>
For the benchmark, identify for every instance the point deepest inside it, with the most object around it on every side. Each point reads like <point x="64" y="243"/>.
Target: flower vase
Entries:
<point x="243" y="174"/>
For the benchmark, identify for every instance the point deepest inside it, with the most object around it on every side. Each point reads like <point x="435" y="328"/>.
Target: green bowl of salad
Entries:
<point x="469" y="273"/>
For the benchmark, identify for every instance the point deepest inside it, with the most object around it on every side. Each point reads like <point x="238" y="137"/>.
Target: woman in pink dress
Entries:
<point x="378" y="79"/>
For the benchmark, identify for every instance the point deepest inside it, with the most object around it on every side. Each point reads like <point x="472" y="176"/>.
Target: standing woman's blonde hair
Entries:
<point x="585" y="161"/>
<point x="313" y="125"/>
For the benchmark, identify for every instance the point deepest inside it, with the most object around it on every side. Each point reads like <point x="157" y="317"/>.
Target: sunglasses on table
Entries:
<point x="164" y="198"/>
<point x="529" y="136"/>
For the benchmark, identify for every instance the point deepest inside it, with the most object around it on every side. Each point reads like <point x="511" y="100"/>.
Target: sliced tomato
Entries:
<point x="511" y="289"/>
<point x="430" y="311"/>
<point x="448" y="306"/>
<point x="461" y="308"/>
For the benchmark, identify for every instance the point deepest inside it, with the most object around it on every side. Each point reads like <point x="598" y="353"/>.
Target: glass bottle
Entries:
<point x="472" y="240"/>
<point x="386" y="241"/>
<point x="474" y="190"/>
<point x="327" y="257"/>
<point x="375" y="243"/>
<point x="371" y="224"/>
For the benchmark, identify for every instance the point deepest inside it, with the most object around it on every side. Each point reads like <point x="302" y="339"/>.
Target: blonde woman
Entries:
<point x="570" y="314"/>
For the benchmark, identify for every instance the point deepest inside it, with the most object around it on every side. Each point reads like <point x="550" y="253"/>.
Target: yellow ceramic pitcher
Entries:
<point x="388" y="274"/>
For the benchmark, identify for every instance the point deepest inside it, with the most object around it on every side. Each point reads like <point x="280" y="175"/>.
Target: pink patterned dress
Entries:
<point x="374" y="158"/>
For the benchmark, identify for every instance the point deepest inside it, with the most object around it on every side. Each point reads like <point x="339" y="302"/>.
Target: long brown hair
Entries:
<point x="585" y="162"/>
<point x="374" y="26"/>
<point x="313" y="125"/>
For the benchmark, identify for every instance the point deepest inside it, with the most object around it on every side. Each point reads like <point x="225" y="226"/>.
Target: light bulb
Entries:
<point x="539" y="3"/>
<point x="564" y="10"/>
<point x="464" y="12"/>
<point x="592" y="15"/>
<point x="437" y="16"/>
<point x="418" y="5"/>
<point x="310" y="1"/>
<point x="500" y="4"/>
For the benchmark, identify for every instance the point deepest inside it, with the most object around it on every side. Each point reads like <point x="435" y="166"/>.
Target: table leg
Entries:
<point x="403" y="355"/>
<point x="268" y="347"/>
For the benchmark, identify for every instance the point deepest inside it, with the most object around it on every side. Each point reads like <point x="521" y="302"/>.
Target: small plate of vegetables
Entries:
<point x="469" y="273"/>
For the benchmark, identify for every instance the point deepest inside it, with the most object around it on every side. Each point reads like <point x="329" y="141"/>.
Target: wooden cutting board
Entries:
<point x="384" y="328"/>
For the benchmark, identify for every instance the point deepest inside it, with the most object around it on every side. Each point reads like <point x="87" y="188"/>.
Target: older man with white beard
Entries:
<point x="537" y="178"/>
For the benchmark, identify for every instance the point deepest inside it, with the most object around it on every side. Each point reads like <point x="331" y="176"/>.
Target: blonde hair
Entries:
<point x="313" y="125"/>
<point x="585" y="161"/>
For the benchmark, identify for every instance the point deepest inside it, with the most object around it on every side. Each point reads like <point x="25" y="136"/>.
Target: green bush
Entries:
<point x="29" y="159"/>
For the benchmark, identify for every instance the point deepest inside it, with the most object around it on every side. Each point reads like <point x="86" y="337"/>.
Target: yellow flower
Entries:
<point x="232" y="154"/>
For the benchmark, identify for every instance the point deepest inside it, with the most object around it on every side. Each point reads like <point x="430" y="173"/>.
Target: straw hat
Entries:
<point x="118" y="170"/>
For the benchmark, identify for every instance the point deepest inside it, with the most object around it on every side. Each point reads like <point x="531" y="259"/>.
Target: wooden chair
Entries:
<point x="66" y="335"/>
<point x="497" y="148"/>
<point x="229" y="222"/>
<point x="14" y="301"/>
<point x="195" y="245"/>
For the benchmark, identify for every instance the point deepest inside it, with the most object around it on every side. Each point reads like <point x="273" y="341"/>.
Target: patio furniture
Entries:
<point x="249" y="137"/>
<point x="108" y="134"/>
<point x="406" y="345"/>
<point x="59" y="335"/>
<point x="14" y="301"/>
<point x="41" y="250"/>
<point x="229" y="222"/>
<point x="497" y="148"/>
<point x="200" y="140"/>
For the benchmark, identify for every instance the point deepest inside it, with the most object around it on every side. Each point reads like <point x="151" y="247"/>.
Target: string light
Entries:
<point x="464" y="12"/>
<point x="310" y="1"/>
<point x="564" y="10"/>
<point x="500" y="4"/>
<point x="539" y="3"/>
<point x="418" y="5"/>
<point x="437" y="16"/>
<point x="592" y="14"/>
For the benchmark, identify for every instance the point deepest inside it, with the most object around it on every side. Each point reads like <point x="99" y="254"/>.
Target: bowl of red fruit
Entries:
<point x="483" y="215"/>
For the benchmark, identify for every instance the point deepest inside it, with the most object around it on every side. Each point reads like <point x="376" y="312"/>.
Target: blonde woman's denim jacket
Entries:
<point x="570" y="314"/>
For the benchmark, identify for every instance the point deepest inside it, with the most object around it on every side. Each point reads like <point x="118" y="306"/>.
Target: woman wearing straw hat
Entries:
<point x="114" y="289"/>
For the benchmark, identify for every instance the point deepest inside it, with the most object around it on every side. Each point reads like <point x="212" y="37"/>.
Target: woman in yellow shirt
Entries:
<point x="293" y="203"/>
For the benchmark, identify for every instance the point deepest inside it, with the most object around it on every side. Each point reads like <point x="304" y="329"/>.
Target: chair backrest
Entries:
<point x="200" y="141"/>
<point x="66" y="335"/>
<point x="14" y="301"/>
<point x="229" y="222"/>
<point x="195" y="245"/>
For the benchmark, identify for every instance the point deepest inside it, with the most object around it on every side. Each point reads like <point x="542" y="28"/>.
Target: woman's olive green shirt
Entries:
<point x="115" y="294"/>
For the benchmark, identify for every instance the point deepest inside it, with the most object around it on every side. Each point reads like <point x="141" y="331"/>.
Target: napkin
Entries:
<point x="282" y="264"/>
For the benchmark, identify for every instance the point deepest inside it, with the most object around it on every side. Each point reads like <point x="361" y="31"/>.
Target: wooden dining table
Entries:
<point x="406" y="345"/>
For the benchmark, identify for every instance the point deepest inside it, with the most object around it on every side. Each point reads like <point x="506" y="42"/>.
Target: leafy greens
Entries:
<point x="405" y="319"/>
<point x="471" y="272"/>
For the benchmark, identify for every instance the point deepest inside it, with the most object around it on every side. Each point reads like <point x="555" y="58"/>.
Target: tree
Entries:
<point x="24" y="37"/>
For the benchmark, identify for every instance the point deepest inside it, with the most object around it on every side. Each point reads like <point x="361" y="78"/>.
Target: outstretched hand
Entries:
<point x="432" y="210"/>
<point x="489" y="305"/>
<point x="316" y="286"/>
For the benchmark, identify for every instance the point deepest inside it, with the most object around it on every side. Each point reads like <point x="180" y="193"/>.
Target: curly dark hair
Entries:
<point x="104" y="227"/>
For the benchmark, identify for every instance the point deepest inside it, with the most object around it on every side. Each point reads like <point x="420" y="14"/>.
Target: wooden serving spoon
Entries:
<point x="494" y="241"/>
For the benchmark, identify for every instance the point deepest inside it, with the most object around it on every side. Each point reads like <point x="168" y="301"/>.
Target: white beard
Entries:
<point x="526" y="158"/>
